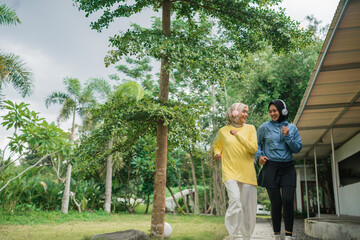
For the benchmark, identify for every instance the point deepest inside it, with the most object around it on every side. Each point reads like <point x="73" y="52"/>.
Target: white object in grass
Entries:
<point x="167" y="230"/>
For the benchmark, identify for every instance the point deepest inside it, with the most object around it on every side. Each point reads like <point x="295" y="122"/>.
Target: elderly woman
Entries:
<point x="235" y="145"/>
<point x="277" y="141"/>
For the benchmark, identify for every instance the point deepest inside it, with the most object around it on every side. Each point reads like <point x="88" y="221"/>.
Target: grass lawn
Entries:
<point x="53" y="225"/>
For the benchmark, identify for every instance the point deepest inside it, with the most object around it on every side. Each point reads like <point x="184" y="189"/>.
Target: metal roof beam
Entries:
<point x="319" y="145"/>
<point x="335" y="126"/>
<point x="352" y="102"/>
<point x="340" y="67"/>
<point x="332" y="105"/>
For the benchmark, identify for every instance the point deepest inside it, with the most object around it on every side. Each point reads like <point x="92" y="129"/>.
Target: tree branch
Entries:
<point x="26" y="170"/>
<point x="5" y="166"/>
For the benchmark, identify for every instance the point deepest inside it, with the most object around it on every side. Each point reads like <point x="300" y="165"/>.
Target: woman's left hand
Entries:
<point x="285" y="130"/>
<point x="233" y="132"/>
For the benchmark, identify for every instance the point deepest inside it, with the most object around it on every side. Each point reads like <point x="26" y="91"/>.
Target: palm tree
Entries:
<point x="76" y="100"/>
<point x="12" y="68"/>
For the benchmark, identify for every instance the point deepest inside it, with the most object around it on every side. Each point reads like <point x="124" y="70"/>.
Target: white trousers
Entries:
<point x="240" y="216"/>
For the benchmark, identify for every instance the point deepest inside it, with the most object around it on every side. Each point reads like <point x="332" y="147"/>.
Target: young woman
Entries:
<point x="277" y="141"/>
<point x="235" y="145"/>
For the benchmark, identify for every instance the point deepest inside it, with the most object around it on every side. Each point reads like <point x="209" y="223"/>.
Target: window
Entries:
<point x="349" y="170"/>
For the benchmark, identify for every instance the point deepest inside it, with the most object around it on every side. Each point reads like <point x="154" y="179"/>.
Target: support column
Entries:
<point x="317" y="183"/>
<point x="306" y="191"/>
<point x="334" y="173"/>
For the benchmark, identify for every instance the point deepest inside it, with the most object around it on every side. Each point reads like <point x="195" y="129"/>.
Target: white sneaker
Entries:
<point x="277" y="237"/>
<point x="289" y="238"/>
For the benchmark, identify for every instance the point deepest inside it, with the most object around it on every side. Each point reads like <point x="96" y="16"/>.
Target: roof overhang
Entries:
<point x="331" y="101"/>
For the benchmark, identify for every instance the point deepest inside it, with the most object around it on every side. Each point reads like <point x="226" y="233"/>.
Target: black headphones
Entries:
<point x="284" y="112"/>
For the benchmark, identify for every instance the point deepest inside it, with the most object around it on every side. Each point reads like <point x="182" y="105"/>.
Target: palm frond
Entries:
<point x="67" y="109"/>
<point x="14" y="72"/>
<point x="99" y="86"/>
<point x="73" y="86"/>
<point x="8" y="16"/>
<point x="56" y="98"/>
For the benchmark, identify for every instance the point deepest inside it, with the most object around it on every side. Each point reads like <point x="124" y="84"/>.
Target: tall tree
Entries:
<point x="75" y="100"/>
<point x="12" y="67"/>
<point x="246" y="23"/>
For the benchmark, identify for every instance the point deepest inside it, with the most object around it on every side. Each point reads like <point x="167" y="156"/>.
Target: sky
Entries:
<point x="55" y="41"/>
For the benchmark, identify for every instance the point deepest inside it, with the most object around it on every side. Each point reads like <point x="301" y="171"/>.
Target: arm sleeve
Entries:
<point x="218" y="145"/>
<point x="293" y="140"/>
<point x="249" y="143"/>
<point x="260" y="143"/>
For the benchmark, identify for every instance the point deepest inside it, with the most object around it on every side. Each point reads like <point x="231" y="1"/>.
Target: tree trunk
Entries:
<point x="196" y="207"/>
<point x="211" y="199"/>
<point x="222" y="199"/>
<point x="172" y="195"/>
<point x="182" y="195"/>
<point x="158" y="213"/>
<point x="219" y="188"/>
<point x="216" y="164"/>
<point x="216" y="189"/>
<point x="147" y="204"/>
<point x="204" y="182"/>
<point x="72" y="134"/>
<point x="108" y="182"/>
<point x="190" y="193"/>
<point x="66" y="194"/>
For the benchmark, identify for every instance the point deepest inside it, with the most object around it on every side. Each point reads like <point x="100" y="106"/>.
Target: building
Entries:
<point x="328" y="120"/>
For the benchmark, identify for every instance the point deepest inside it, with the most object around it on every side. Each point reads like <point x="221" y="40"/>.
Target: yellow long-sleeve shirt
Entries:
<point x="237" y="153"/>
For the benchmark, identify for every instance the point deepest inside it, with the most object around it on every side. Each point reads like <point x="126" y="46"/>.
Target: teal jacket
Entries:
<point x="273" y="144"/>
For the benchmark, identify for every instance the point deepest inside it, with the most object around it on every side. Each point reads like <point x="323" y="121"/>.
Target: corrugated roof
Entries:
<point x="332" y="97"/>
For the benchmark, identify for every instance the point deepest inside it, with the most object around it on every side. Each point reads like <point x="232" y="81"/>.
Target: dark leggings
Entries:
<point x="278" y="201"/>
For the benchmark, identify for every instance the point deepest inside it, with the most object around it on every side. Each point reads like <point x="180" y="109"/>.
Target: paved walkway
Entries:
<point x="263" y="230"/>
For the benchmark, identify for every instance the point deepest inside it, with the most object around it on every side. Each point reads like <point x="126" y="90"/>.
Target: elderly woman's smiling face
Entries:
<point x="274" y="113"/>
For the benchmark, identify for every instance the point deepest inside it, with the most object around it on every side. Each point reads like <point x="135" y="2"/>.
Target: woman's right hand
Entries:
<point x="263" y="159"/>
<point x="217" y="156"/>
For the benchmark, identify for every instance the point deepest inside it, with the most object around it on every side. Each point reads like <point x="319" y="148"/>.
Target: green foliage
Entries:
<point x="90" y="192"/>
<point x="246" y="23"/>
<point x="139" y="71"/>
<point x="14" y="71"/>
<point x="12" y="67"/>
<point x="8" y="16"/>
<point x="33" y="190"/>
<point x="268" y="76"/>
<point x="263" y="198"/>
<point x="33" y="132"/>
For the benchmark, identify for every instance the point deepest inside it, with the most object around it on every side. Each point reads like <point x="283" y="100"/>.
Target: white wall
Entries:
<point x="349" y="195"/>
